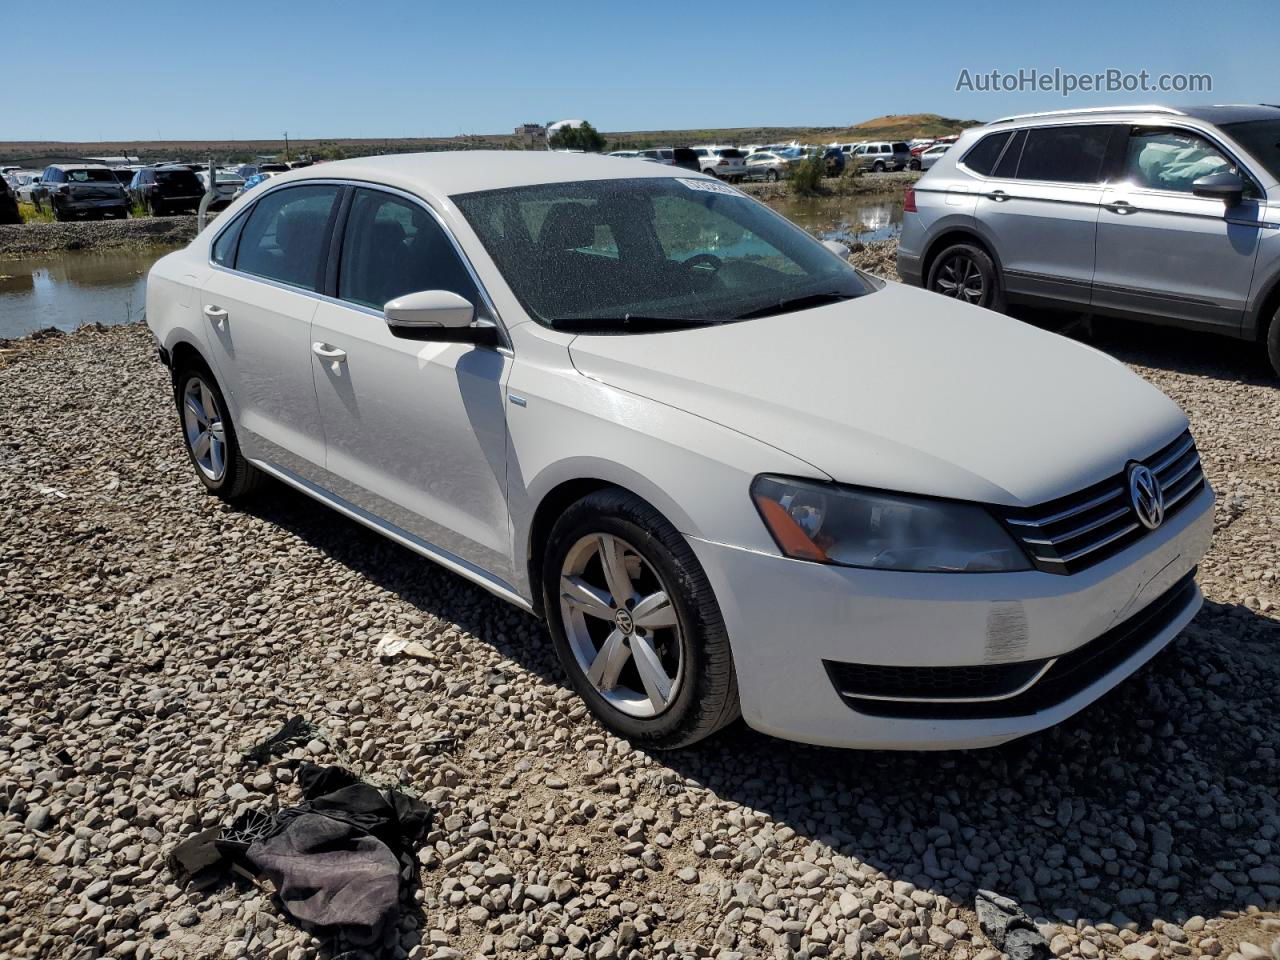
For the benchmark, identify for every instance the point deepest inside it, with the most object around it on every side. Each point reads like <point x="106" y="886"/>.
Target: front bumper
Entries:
<point x="786" y="617"/>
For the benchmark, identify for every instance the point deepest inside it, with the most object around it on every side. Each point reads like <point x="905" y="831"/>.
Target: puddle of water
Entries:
<point x="846" y="219"/>
<point x="70" y="289"/>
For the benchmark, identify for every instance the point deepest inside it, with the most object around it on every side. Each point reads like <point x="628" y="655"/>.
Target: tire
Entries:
<point x="58" y="215"/>
<point x="155" y="208"/>
<point x="914" y="165"/>
<point x="878" y="166"/>
<point x="1273" y="342"/>
<point x="772" y="176"/>
<point x="966" y="272"/>
<point x="703" y="694"/>
<point x="228" y="475"/>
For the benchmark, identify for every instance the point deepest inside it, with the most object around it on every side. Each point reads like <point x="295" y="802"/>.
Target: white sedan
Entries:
<point x="735" y="475"/>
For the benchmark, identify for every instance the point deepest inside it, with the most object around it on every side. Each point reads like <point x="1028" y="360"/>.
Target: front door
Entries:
<point x="1165" y="252"/>
<point x="416" y="432"/>
<point x="257" y="310"/>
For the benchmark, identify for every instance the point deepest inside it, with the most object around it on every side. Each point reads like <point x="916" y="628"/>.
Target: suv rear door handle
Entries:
<point x="329" y="352"/>
<point x="1120" y="206"/>
<point x="998" y="195"/>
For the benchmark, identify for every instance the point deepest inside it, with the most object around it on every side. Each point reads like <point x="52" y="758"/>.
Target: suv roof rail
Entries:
<point x="1140" y="108"/>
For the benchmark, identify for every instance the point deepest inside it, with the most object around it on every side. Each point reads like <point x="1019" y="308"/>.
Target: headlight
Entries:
<point x="826" y="523"/>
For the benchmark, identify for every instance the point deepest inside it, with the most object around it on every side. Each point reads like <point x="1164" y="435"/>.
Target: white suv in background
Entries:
<point x="727" y="163"/>
<point x="733" y="473"/>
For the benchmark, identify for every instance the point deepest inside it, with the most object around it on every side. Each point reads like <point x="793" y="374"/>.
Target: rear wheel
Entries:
<point x="772" y="175"/>
<point x="635" y="624"/>
<point x="967" y="273"/>
<point x="155" y="208"/>
<point x="878" y="166"/>
<point x="210" y="436"/>
<point x="914" y="164"/>
<point x="1273" y="342"/>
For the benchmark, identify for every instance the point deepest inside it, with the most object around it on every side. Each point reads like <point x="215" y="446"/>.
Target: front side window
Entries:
<point x="392" y="246"/>
<point x="284" y="238"/>
<point x="594" y="255"/>
<point x="1171" y="159"/>
<point x="1064" y="154"/>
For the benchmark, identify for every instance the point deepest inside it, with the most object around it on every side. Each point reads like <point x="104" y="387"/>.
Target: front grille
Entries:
<point x="1004" y="689"/>
<point x="1071" y="533"/>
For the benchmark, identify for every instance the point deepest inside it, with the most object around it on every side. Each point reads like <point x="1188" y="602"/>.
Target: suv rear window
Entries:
<point x="183" y="178"/>
<point x="1064" y="154"/>
<point x="91" y="176"/>
<point x="901" y="147"/>
<point x="731" y="154"/>
<point x="982" y="156"/>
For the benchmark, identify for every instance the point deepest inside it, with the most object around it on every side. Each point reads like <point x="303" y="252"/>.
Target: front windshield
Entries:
<point x="597" y="254"/>
<point x="1262" y="139"/>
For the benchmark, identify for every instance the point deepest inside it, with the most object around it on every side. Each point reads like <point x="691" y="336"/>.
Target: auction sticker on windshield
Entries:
<point x="709" y="186"/>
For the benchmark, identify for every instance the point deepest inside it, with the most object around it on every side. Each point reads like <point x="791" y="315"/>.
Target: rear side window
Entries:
<point x="224" y="248"/>
<point x="982" y="156"/>
<point x="391" y="247"/>
<point x="284" y="238"/>
<point x="1064" y="154"/>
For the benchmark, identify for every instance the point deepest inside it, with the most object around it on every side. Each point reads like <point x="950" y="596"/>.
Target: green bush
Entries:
<point x="806" y="175"/>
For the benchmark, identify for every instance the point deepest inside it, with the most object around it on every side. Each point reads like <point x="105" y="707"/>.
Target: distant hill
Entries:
<point x="899" y="126"/>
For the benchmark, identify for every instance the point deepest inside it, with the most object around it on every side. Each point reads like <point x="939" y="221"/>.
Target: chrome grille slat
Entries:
<point x="1096" y="535"/>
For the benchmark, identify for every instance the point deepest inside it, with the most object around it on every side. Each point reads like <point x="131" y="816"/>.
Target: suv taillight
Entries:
<point x="723" y="163"/>
<point x="909" y="200"/>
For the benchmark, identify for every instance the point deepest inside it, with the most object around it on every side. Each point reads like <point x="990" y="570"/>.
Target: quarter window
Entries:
<point x="393" y="246"/>
<point x="284" y="238"/>
<point x="1064" y="154"/>
<point x="1008" y="165"/>
<point x="1171" y="160"/>
<point x="224" y="248"/>
<point x="982" y="157"/>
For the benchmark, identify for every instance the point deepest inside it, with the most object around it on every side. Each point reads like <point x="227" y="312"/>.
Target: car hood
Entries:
<point x="905" y="390"/>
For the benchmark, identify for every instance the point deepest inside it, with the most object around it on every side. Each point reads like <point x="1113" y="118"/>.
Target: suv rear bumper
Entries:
<point x="910" y="267"/>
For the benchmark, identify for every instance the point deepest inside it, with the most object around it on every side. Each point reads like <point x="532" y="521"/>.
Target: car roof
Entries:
<point x="447" y="173"/>
<point x="80" y="166"/>
<point x="1212" y="113"/>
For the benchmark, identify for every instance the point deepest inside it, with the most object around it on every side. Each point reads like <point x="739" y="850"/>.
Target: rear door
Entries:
<point x="1040" y="207"/>
<point x="1163" y="251"/>
<point x="415" y="430"/>
<point x="257" y="307"/>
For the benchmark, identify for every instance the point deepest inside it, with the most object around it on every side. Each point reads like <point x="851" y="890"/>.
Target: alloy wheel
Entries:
<point x="206" y="433"/>
<point x="621" y="625"/>
<point x="961" y="277"/>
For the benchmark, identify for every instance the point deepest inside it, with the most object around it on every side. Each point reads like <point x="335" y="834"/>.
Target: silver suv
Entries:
<point x="1154" y="213"/>
<point x="881" y="155"/>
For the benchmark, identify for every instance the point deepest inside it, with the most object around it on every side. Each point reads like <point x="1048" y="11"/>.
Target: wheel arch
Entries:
<point x="1258" y="320"/>
<point x="953" y="235"/>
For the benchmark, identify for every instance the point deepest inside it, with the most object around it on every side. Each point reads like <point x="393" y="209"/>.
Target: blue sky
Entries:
<point x="395" y="68"/>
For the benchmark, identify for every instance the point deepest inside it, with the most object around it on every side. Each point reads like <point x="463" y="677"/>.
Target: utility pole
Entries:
<point x="286" y="146"/>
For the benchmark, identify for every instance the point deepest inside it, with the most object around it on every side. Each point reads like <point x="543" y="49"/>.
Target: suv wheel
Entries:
<point x="966" y="272"/>
<point x="155" y="208"/>
<point x="1273" y="342"/>
<point x="772" y="175"/>
<point x="914" y="164"/>
<point x="635" y="624"/>
<point x="210" y="437"/>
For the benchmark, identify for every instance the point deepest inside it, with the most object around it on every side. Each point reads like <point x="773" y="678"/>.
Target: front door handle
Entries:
<point x="215" y="314"/>
<point x="998" y="195"/>
<point x="1120" y="206"/>
<point x="328" y="352"/>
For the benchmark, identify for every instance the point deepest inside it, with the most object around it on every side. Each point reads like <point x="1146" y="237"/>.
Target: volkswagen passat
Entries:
<point x="734" y="474"/>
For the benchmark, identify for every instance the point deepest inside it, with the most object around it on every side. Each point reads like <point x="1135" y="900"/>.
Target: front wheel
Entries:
<point x="967" y="273"/>
<point x="210" y="436"/>
<point x="1273" y="342"/>
<point x="635" y="624"/>
<point x="772" y="176"/>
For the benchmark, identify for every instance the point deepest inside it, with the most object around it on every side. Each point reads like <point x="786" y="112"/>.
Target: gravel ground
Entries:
<point x="152" y="633"/>
<point x="27" y="239"/>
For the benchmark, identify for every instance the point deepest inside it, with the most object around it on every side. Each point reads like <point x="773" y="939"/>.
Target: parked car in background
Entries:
<point x="124" y="175"/>
<point x="727" y="163"/>
<point x="253" y="181"/>
<point x="248" y="170"/>
<point x="625" y="154"/>
<point x="28" y="185"/>
<point x="165" y="190"/>
<point x="661" y="154"/>
<point x="77" y="191"/>
<point x="766" y="165"/>
<point x="676" y="448"/>
<point x="686" y="158"/>
<point x="833" y="161"/>
<point x="929" y="156"/>
<point x="227" y="182"/>
<point x="881" y="155"/>
<point x="1160" y="214"/>
<point x="8" y="203"/>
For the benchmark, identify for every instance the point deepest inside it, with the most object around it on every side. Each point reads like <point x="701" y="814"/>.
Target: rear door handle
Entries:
<point x="998" y="195"/>
<point x="1120" y="206"/>
<point x="215" y="314"/>
<point x="328" y="352"/>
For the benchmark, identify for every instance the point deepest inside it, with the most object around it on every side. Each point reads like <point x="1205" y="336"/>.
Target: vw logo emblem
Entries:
<point x="622" y="619"/>
<point x="1146" y="496"/>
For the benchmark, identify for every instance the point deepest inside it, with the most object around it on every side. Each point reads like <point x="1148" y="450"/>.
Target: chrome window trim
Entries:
<point x="505" y="345"/>
<point x="1088" y="184"/>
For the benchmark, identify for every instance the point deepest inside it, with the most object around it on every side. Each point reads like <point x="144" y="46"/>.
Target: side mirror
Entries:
<point x="1227" y="187"/>
<point x="437" y="315"/>
<point x="838" y="248"/>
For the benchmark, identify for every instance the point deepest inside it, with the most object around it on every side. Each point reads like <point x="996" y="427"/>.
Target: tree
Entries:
<point x="584" y="137"/>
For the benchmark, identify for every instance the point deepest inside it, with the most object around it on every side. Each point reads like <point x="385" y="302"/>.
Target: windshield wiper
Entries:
<point x="632" y="321"/>
<point x="795" y="303"/>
